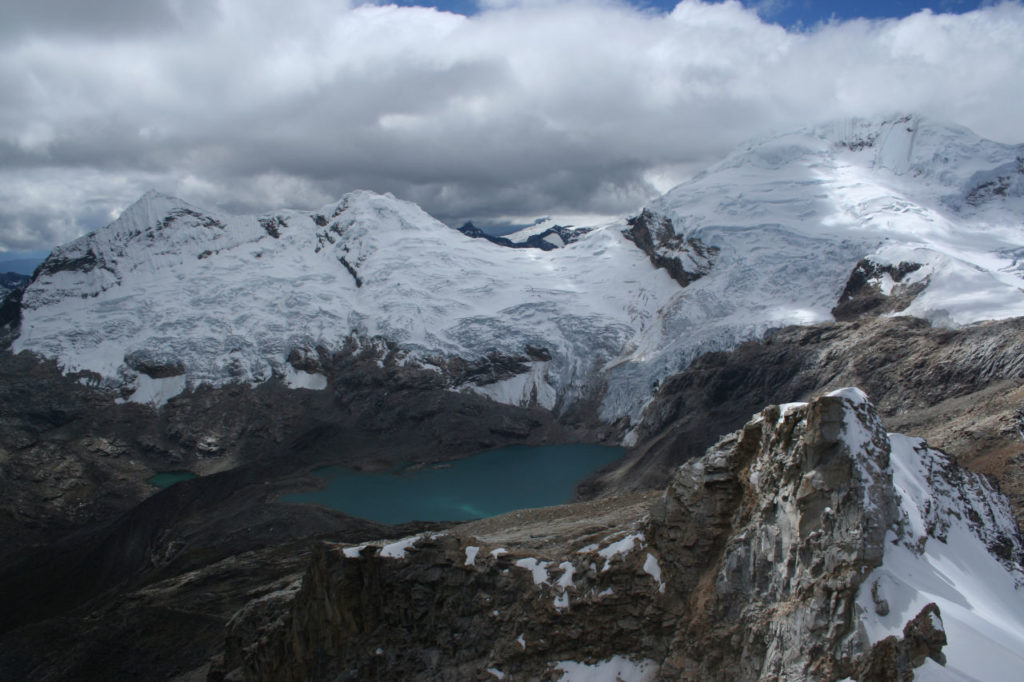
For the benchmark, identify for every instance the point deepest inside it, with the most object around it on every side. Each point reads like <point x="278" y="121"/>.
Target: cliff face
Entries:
<point x="750" y="566"/>
<point x="801" y="501"/>
<point x="960" y="389"/>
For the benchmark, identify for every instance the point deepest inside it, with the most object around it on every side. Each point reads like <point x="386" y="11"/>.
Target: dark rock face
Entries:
<point x="68" y="456"/>
<point x="351" y="270"/>
<point x="684" y="260"/>
<point x="780" y="602"/>
<point x="1002" y="182"/>
<point x="863" y="293"/>
<point x="307" y="359"/>
<point x="273" y="225"/>
<point x="436" y="616"/>
<point x="471" y="230"/>
<point x="153" y="593"/>
<point x="97" y="563"/>
<point x="58" y="263"/>
<point x="488" y="369"/>
<point x="567" y="235"/>
<point x="10" y="316"/>
<point x="153" y="364"/>
<point x="192" y="217"/>
<point x="893" y="659"/>
<point x="544" y="355"/>
<point x="747" y="568"/>
<point x="9" y="281"/>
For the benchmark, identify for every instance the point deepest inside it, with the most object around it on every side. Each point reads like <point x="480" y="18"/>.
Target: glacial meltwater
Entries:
<point x="166" y="479"/>
<point x="486" y="484"/>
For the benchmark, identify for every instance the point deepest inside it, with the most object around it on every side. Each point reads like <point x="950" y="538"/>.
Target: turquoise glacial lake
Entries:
<point x="487" y="484"/>
<point x="168" y="478"/>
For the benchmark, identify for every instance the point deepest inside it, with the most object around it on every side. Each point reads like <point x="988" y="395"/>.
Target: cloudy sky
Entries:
<point x="497" y="110"/>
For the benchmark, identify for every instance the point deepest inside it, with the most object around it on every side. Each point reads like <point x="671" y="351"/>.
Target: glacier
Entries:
<point x="170" y="296"/>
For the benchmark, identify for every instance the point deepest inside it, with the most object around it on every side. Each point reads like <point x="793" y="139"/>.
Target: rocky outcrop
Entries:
<point x="877" y="289"/>
<point x="542" y="240"/>
<point x="804" y="502"/>
<point x="685" y="260"/>
<point x="10" y="316"/>
<point x="441" y="609"/>
<point x="894" y="658"/>
<point x="153" y="364"/>
<point x="748" y="567"/>
<point x="960" y="389"/>
<point x="1001" y="182"/>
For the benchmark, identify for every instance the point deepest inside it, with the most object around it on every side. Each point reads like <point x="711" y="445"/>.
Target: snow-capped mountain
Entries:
<point x="544" y="234"/>
<point x="791" y="215"/>
<point x="170" y="295"/>
<point x="203" y="297"/>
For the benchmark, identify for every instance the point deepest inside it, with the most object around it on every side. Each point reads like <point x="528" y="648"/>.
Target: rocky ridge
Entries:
<point x="539" y="236"/>
<point x="961" y="389"/>
<point x="748" y="567"/>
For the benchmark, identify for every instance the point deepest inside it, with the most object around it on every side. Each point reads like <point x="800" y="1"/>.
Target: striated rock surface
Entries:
<point x="750" y="566"/>
<point x="804" y="500"/>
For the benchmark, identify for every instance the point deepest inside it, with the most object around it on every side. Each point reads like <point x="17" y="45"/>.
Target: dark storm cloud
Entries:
<point x="101" y="19"/>
<point x="526" y="110"/>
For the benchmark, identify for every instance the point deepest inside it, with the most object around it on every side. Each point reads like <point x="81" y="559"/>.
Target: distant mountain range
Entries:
<point x="10" y="281"/>
<point x="899" y="216"/>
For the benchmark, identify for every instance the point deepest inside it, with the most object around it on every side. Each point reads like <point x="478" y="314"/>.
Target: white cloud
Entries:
<point x="526" y="109"/>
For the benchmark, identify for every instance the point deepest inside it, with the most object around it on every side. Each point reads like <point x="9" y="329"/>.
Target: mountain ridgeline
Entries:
<point x="809" y="544"/>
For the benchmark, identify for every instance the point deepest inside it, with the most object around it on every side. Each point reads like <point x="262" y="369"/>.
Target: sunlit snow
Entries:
<point x="231" y="296"/>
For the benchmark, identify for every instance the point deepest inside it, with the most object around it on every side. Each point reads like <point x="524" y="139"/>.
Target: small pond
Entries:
<point x="166" y="479"/>
<point x="486" y="484"/>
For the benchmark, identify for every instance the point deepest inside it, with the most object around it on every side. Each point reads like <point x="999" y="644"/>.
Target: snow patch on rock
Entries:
<point x="615" y="669"/>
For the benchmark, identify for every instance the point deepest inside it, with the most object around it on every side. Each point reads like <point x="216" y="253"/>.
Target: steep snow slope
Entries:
<point x="169" y="295"/>
<point x="944" y="551"/>
<point x="792" y="214"/>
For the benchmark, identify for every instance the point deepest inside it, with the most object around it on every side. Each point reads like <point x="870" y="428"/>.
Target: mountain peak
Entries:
<point x="152" y="202"/>
<point x="770" y="237"/>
